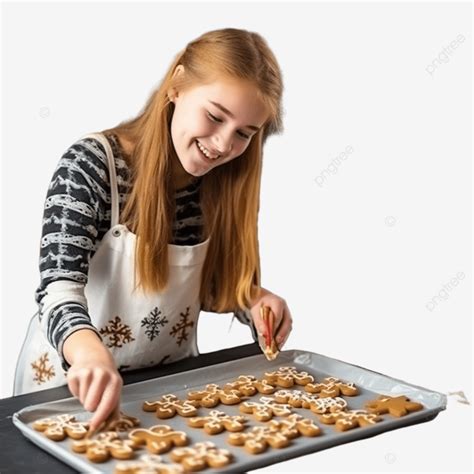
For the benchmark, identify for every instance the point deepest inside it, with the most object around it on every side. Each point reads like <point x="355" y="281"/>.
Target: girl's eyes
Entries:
<point x="218" y="120"/>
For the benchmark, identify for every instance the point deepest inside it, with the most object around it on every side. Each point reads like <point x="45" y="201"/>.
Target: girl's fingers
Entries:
<point x="73" y="384"/>
<point x="260" y="324"/>
<point x="95" y="391"/>
<point x="281" y="344"/>
<point x="84" y="383"/>
<point x="285" y="328"/>
<point x="108" y="403"/>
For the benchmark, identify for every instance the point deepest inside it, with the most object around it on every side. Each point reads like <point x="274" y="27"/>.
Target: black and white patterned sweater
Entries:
<point x="77" y="214"/>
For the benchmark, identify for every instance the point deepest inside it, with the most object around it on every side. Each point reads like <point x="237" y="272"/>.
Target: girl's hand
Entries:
<point x="283" y="319"/>
<point x="94" y="379"/>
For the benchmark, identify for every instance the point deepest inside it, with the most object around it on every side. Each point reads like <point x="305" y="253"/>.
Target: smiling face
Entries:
<point x="213" y="124"/>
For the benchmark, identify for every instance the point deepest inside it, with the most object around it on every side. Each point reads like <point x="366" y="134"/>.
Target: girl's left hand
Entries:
<point x="283" y="319"/>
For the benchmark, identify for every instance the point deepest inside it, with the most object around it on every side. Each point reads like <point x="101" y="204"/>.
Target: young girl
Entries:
<point x="115" y="294"/>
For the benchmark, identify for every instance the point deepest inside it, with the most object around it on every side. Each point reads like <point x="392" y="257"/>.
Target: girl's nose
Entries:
<point x="223" y="144"/>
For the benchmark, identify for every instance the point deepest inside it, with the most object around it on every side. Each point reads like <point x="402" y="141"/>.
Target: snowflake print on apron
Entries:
<point x="140" y="330"/>
<point x="179" y="330"/>
<point x="117" y="332"/>
<point x="43" y="370"/>
<point x="153" y="323"/>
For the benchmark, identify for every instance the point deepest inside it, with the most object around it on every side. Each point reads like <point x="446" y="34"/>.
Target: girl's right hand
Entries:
<point x="93" y="377"/>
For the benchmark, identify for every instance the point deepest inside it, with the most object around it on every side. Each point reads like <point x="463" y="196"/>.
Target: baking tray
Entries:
<point x="370" y="385"/>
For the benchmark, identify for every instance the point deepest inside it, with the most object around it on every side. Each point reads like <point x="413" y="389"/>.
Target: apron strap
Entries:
<point x="112" y="173"/>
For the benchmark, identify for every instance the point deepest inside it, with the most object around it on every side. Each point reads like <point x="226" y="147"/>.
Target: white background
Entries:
<point x="359" y="257"/>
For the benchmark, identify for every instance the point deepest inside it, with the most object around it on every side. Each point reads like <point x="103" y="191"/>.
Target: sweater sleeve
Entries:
<point x="75" y="207"/>
<point x="244" y="317"/>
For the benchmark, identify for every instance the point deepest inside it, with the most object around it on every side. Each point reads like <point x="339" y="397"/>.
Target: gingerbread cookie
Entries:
<point x="104" y="446"/>
<point x="159" y="438"/>
<point x="259" y="438"/>
<point x="123" y="423"/>
<point x="295" y="425"/>
<point x="325" y="405"/>
<point x="287" y="377"/>
<point x="265" y="409"/>
<point x="346" y="420"/>
<point x="395" y="406"/>
<point x="59" y="427"/>
<point x="218" y="421"/>
<point x="295" y="398"/>
<point x="148" y="464"/>
<point x="299" y="399"/>
<point x="201" y="455"/>
<point x="248" y="385"/>
<point x="169" y="405"/>
<point x="212" y="395"/>
<point x="332" y="387"/>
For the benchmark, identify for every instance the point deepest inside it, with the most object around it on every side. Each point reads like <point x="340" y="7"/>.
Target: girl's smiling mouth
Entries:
<point x="204" y="151"/>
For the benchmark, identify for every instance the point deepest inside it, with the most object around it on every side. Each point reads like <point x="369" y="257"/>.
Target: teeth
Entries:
<point x="206" y="152"/>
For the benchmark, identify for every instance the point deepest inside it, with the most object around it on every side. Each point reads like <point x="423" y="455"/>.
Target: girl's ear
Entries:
<point x="178" y="70"/>
<point x="172" y="93"/>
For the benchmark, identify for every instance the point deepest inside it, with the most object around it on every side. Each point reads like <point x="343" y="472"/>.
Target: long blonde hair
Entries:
<point x="229" y="194"/>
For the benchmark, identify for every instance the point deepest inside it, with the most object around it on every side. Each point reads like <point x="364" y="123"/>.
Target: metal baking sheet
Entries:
<point x="370" y="385"/>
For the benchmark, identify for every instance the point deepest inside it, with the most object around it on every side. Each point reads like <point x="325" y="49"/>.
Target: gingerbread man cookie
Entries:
<point x="104" y="446"/>
<point x="148" y="464"/>
<point x="295" y="425"/>
<point x="265" y="409"/>
<point x="218" y="421"/>
<point x="346" y="420"/>
<point x="248" y="385"/>
<point x="259" y="438"/>
<point x="124" y="423"/>
<point x="212" y="395"/>
<point x="332" y="387"/>
<point x="169" y="405"/>
<point x="325" y="405"/>
<point x="287" y="377"/>
<point x="159" y="438"/>
<point x="59" y="427"/>
<point x="201" y="455"/>
<point x="295" y="398"/>
<point x="299" y="399"/>
<point x="395" y="406"/>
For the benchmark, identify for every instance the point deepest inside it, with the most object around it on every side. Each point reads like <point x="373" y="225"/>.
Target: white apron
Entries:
<point x="140" y="330"/>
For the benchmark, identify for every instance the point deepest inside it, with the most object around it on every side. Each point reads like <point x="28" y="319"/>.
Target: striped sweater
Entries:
<point x="77" y="214"/>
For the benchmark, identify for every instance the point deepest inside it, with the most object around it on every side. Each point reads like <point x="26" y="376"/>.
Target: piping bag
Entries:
<point x="268" y="343"/>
